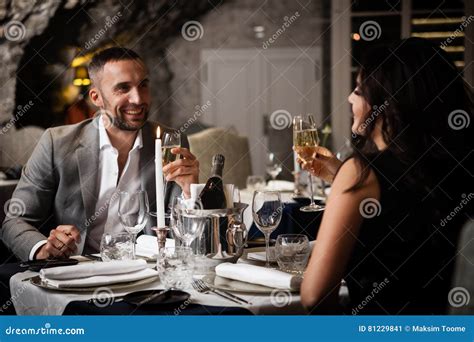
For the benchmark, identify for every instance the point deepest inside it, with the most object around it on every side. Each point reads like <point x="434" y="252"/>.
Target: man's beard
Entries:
<point x="121" y="123"/>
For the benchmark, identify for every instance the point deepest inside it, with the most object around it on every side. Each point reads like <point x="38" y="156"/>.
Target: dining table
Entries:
<point x="29" y="299"/>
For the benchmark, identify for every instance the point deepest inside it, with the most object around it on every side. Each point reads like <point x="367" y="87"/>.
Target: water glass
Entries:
<point x="175" y="267"/>
<point x="292" y="252"/>
<point x="116" y="247"/>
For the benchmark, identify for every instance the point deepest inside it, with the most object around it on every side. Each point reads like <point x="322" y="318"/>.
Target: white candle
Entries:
<point x="160" y="200"/>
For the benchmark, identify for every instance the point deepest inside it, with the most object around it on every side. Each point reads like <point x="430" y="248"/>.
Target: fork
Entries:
<point x="202" y="287"/>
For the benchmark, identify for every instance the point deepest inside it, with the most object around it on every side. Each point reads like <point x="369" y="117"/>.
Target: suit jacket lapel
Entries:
<point x="88" y="164"/>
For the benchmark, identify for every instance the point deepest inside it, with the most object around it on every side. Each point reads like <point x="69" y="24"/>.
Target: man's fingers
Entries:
<point x="64" y="243"/>
<point x="184" y="152"/>
<point x="181" y="171"/>
<point x="182" y="163"/>
<point x="56" y="252"/>
<point x="70" y="230"/>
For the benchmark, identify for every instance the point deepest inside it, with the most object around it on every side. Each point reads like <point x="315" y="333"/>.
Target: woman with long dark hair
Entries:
<point x="396" y="206"/>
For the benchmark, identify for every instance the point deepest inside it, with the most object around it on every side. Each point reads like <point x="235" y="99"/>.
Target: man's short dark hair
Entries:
<point x="112" y="54"/>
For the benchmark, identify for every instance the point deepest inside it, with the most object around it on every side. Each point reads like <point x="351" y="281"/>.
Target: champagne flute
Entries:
<point x="305" y="143"/>
<point x="267" y="211"/>
<point x="170" y="141"/>
<point x="133" y="213"/>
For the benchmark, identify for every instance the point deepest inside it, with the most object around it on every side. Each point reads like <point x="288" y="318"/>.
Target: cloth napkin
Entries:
<point x="89" y="269"/>
<point x="101" y="280"/>
<point x="147" y="246"/>
<point x="280" y="185"/>
<point x="259" y="275"/>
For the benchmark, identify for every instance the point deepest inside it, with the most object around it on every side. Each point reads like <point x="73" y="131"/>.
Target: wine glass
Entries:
<point x="170" y="141"/>
<point x="187" y="224"/>
<point x="273" y="165"/>
<point x="267" y="210"/>
<point x="305" y="143"/>
<point x="133" y="213"/>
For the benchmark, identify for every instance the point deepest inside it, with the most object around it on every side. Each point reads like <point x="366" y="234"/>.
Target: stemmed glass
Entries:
<point x="187" y="225"/>
<point x="133" y="213"/>
<point x="267" y="210"/>
<point x="305" y="143"/>
<point x="170" y="141"/>
<point x="273" y="165"/>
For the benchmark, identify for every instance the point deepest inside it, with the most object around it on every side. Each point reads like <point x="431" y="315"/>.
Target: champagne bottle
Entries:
<point x="213" y="196"/>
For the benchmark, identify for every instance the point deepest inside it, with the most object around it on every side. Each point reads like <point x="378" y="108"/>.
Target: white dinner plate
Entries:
<point x="119" y="286"/>
<point x="220" y="283"/>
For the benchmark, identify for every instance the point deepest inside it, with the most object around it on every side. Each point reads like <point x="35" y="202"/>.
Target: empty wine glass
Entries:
<point x="133" y="213"/>
<point x="273" y="165"/>
<point x="267" y="210"/>
<point x="187" y="223"/>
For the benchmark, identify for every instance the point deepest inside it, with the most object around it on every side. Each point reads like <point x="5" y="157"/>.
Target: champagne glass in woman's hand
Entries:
<point x="306" y="143"/>
<point x="324" y="164"/>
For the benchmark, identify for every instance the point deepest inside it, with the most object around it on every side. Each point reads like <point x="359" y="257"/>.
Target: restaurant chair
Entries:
<point x="225" y="141"/>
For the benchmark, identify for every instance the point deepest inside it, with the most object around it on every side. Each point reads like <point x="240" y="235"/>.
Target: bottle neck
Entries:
<point x="216" y="170"/>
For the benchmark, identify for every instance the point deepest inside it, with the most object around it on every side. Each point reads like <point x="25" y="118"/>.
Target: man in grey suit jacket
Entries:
<point x="55" y="205"/>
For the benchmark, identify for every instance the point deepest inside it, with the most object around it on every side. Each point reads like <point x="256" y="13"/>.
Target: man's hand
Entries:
<point x="61" y="243"/>
<point x="183" y="171"/>
<point x="324" y="165"/>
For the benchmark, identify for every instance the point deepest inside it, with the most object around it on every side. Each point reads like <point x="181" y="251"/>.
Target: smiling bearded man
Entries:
<point x="70" y="184"/>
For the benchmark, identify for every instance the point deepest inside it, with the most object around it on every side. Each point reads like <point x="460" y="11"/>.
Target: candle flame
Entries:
<point x="158" y="132"/>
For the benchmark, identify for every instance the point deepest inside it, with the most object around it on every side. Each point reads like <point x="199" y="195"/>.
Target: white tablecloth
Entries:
<point x="29" y="299"/>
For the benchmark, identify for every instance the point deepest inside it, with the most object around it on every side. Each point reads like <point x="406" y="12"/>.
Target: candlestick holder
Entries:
<point x="161" y="234"/>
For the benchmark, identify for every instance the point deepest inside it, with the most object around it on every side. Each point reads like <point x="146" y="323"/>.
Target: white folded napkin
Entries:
<point x="196" y="189"/>
<point x="147" y="246"/>
<point x="101" y="280"/>
<point x="91" y="269"/>
<point x="258" y="275"/>
<point x="280" y="185"/>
